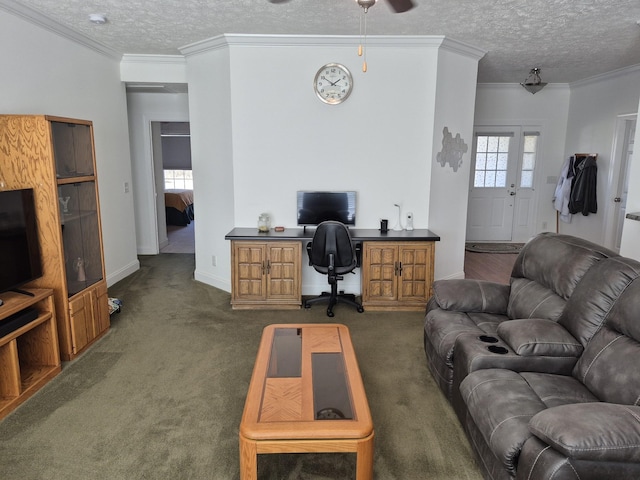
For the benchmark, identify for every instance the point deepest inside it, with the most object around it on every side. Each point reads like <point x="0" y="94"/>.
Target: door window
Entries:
<point x="492" y="159"/>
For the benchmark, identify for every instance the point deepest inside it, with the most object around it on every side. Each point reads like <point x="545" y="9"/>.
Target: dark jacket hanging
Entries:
<point x="583" y="189"/>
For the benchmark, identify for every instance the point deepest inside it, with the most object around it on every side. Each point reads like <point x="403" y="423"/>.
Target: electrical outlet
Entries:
<point x="126" y="187"/>
<point x="544" y="225"/>
<point x="214" y="260"/>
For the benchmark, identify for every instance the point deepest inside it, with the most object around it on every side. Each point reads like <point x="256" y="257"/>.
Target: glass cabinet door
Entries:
<point x="80" y="235"/>
<point x="73" y="149"/>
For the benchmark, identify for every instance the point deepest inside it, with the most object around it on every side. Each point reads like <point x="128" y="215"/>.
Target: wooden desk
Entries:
<point x="306" y="395"/>
<point x="397" y="268"/>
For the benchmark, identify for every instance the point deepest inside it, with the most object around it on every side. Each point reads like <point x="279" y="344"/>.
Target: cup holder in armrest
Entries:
<point x="497" y="349"/>
<point x="488" y="339"/>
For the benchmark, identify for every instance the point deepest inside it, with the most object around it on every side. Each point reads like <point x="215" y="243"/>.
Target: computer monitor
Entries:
<point x="316" y="207"/>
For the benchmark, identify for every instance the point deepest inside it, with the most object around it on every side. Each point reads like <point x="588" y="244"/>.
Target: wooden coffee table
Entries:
<point x="306" y="396"/>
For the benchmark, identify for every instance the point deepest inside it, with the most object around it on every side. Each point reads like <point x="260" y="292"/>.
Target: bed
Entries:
<point x="179" y="207"/>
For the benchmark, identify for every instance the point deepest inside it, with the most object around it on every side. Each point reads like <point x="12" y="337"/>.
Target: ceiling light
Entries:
<point x="97" y="18"/>
<point x="533" y="84"/>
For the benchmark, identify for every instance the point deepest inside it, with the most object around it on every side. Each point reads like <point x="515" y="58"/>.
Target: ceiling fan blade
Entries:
<point x="400" y="6"/>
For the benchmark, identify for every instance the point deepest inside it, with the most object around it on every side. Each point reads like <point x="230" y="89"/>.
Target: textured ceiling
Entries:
<point x="569" y="39"/>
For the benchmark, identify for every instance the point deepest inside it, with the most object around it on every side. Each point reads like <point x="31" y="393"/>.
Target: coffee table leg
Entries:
<point x="364" y="459"/>
<point x="248" y="459"/>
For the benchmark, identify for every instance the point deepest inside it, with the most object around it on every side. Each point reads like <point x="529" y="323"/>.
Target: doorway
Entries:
<point x="502" y="189"/>
<point x="171" y="147"/>
<point x="619" y="186"/>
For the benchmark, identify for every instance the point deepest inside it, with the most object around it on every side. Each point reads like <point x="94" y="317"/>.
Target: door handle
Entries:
<point x="512" y="193"/>
<point x="617" y="199"/>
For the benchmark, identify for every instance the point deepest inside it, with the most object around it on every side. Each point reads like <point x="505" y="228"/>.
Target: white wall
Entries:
<point x="281" y="138"/>
<point x="595" y="105"/>
<point x="547" y="111"/>
<point x="44" y="73"/>
<point x="145" y="108"/>
<point x="454" y="97"/>
<point x="210" y="113"/>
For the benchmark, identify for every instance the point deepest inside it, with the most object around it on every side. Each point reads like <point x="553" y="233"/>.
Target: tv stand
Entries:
<point x="29" y="354"/>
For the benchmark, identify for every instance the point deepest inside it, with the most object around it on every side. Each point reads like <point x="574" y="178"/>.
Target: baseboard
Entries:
<point x="221" y="283"/>
<point x="457" y="275"/>
<point x="123" y="273"/>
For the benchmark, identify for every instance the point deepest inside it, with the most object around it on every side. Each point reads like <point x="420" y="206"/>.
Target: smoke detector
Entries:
<point x="97" y="18"/>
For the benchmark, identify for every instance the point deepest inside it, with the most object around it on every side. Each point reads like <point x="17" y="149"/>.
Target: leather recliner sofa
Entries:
<point x="554" y="397"/>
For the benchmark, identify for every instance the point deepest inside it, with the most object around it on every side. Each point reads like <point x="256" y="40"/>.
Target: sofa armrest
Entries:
<point x="591" y="431"/>
<point x="539" y="337"/>
<point x="466" y="295"/>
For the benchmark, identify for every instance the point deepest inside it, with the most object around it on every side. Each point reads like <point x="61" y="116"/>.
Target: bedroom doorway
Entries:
<point x="171" y="145"/>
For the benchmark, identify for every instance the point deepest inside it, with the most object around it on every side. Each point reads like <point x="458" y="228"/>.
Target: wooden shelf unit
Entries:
<point x="29" y="356"/>
<point x="55" y="156"/>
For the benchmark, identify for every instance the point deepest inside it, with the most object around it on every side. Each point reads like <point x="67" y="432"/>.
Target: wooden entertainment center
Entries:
<point x="55" y="157"/>
<point x="397" y="268"/>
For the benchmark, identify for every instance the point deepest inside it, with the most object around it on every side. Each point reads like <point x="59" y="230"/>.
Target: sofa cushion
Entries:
<point x="501" y="403"/>
<point x="554" y="390"/>
<point x="529" y="299"/>
<point x="591" y="431"/>
<point x="465" y="295"/>
<point x="539" y="337"/>
<point x="558" y="262"/>
<point x="594" y="297"/>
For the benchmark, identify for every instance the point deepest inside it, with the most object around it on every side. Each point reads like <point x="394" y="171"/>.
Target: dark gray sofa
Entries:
<point x="559" y="395"/>
<point x="544" y="276"/>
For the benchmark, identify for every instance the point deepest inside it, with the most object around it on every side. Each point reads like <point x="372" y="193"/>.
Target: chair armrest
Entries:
<point x="465" y="295"/>
<point x="539" y="337"/>
<point x="594" y="431"/>
<point x="309" y="245"/>
<point x="358" y="248"/>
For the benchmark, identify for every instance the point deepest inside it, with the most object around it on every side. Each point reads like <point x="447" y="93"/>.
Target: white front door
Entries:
<point x="501" y="191"/>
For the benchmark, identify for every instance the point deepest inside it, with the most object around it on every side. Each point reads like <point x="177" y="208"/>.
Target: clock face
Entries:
<point x="333" y="83"/>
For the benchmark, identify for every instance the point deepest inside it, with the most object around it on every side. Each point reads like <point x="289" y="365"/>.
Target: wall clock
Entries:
<point x="333" y="83"/>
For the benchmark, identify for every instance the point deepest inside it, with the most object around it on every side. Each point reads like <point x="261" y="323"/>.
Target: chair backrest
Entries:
<point x="332" y="237"/>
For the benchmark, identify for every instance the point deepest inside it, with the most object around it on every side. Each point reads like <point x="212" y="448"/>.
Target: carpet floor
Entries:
<point x="162" y="394"/>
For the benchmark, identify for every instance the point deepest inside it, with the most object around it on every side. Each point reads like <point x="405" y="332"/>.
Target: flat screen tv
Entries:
<point x="20" y="260"/>
<point x="317" y="207"/>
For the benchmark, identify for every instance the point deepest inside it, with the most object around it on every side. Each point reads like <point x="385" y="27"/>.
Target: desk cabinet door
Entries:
<point x="379" y="279"/>
<point x="249" y="267"/>
<point x="416" y="272"/>
<point x="283" y="271"/>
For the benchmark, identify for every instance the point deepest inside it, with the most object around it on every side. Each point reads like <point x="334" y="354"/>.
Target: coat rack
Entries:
<point x="576" y="156"/>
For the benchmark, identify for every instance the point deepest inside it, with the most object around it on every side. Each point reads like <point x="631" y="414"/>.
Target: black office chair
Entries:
<point x="333" y="253"/>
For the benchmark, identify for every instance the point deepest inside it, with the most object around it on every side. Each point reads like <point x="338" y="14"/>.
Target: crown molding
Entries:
<point x="517" y="86"/>
<point x="40" y="20"/>
<point x="621" y="72"/>
<point x="178" y="60"/>
<point x="259" y="40"/>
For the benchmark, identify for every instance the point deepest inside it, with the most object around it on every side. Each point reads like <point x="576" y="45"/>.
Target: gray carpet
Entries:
<point x="161" y="395"/>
